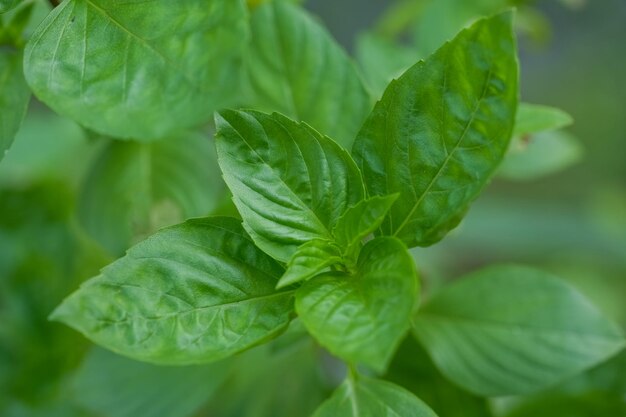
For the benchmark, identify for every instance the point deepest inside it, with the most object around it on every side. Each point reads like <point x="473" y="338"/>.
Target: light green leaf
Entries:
<point x="6" y="5"/>
<point x="361" y="220"/>
<point x="540" y="155"/>
<point x="296" y="68"/>
<point x="514" y="330"/>
<point x="440" y="131"/>
<point x="14" y="96"/>
<point x="534" y="118"/>
<point x="133" y="188"/>
<point x="109" y="385"/>
<point x="289" y="182"/>
<point x="362" y="317"/>
<point x="367" y="397"/>
<point x="137" y="69"/>
<point x="309" y="260"/>
<point x="192" y="293"/>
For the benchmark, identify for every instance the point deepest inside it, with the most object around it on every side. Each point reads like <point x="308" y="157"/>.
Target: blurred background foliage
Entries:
<point x="71" y="201"/>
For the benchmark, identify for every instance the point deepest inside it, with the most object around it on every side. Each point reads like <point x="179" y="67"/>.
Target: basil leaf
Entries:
<point x="289" y="182"/>
<point x="134" y="188"/>
<point x="361" y="220"/>
<point x="534" y="118"/>
<point x="513" y="330"/>
<point x="372" y="398"/>
<point x="295" y="67"/>
<point x="309" y="260"/>
<point x="137" y="69"/>
<point x="192" y="293"/>
<point x="6" y="5"/>
<point x="14" y="98"/>
<point x="440" y="130"/>
<point x="362" y="317"/>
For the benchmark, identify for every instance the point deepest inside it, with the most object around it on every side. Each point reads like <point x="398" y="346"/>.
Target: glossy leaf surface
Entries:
<point x="440" y="131"/>
<point x="373" y="398"/>
<point x="295" y="67"/>
<point x="289" y="182"/>
<point x="134" y="188"/>
<point x="513" y="330"/>
<point x="191" y="293"/>
<point x="309" y="260"/>
<point x="137" y="69"/>
<point x="14" y="96"/>
<point x="362" y="317"/>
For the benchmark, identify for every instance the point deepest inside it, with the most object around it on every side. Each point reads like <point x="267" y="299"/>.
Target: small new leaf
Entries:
<point x="290" y="183"/>
<point x="309" y="260"/>
<point x="192" y="293"/>
<point x="361" y="317"/>
<point x="510" y="330"/>
<point x="534" y="118"/>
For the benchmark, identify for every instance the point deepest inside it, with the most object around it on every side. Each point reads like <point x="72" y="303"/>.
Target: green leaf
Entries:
<point x="309" y="260"/>
<point x="361" y="220"/>
<point x="534" y="118"/>
<point x="372" y="398"/>
<point x="440" y="131"/>
<point x="192" y="293"/>
<point x="113" y="386"/>
<point x="514" y="330"/>
<point x="137" y="69"/>
<point x="296" y="68"/>
<point x="362" y="317"/>
<point x="14" y="96"/>
<point x="540" y="155"/>
<point x="289" y="182"/>
<point x="6" y="5"/>
<point x="133" y="188"/>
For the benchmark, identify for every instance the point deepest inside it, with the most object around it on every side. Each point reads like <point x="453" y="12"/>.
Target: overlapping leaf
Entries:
<point x="440" y="131"/>
<point x="514" y="330"/>
<point x="14" y="96"/>
<point x="309" y="260"/>
<point x="289" y="182"/>
<point x="137" y="69"/>
<point x="191" y="293"/>
<point x="362" y="317"/>
<point x="296" y="68"/>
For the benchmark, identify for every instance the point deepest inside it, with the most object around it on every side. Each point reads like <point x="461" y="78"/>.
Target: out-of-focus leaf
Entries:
<point x="592" y="404"/>
<point x="309" y="260"/>
<point x="290" y="183"/>
<point x="540" y="155"/>
<point x="136" y="188"/>
<point x="296" y="68"/>
<point x="14" y="96"/>
<point x="221" y="302"/>
<point x="362" y="317"/>
<point x="441" y="130"/>
<point x="534" y="118"/>
<point x="6" y="5"/>
<point x="367" y="397"/>
<point x="137" y="69"/>
<point x="112" y="386"/>
<point x="514" y="330"/>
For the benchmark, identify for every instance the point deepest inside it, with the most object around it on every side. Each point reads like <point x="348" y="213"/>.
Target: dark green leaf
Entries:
<point x="514" y="330"/>
<point x="14" y="96"/>
<point x="289" y="182"/>
<point x="137" y="69"/>
<point x="373" y="398"/>
<point x="296" y="68"/>
<point x="440" y="131"/>
<point x="192" y="293"/>
<point x="534" y="118"/>
<point x="309" y="260"/>
<point x="362" y="317"/>
<point x="134" y="189"/>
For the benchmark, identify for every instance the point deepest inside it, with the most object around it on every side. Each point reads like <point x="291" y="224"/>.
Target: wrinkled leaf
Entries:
<point x="192" y="293"/>
<point x="134" y="188"/>
<point x="513" y="330"/>
<point x="14" y="96"/>
<point x="295" y="67"/>
<point x="309" y="260"/>
<point x="367" y="397"/>
<point x="289" y="182"/>
<point x="137" y="69"/>
<point x="441" y="130"/>
<point x="534" y="118"/>
<point x="362" y="317"/>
